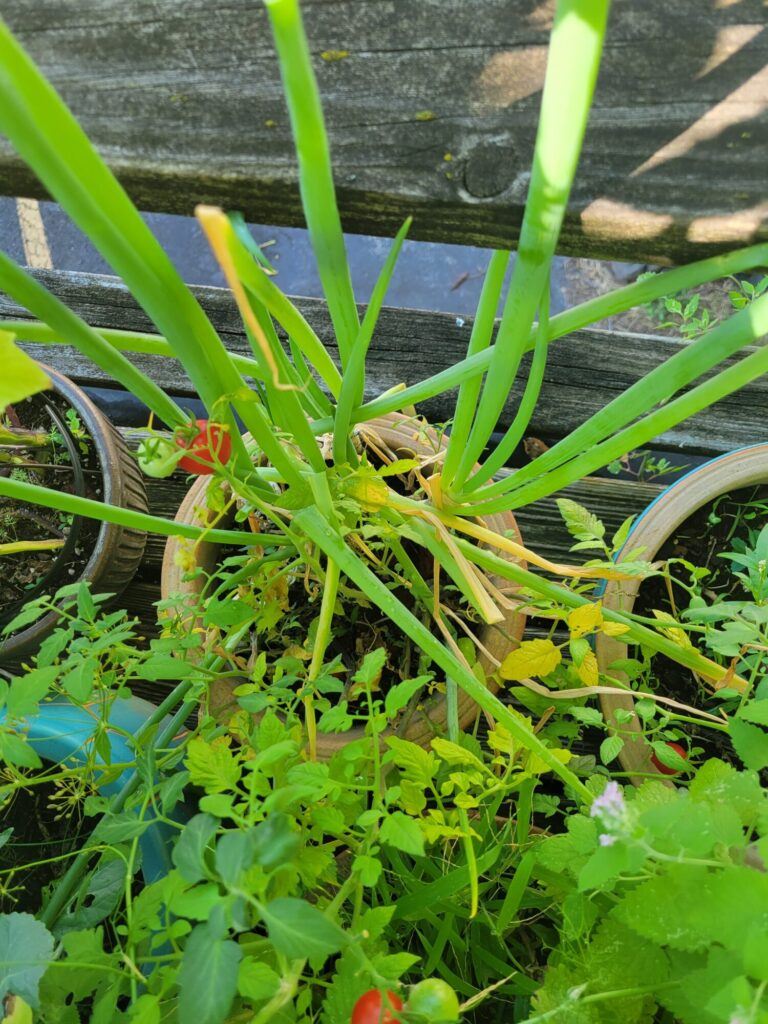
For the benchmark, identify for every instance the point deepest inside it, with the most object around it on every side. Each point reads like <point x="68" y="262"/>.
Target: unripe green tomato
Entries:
<point x="434" y="1000"/>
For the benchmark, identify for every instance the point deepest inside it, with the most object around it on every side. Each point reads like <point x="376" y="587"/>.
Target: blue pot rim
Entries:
<point x="62" y="731"/>
<point x="704" y="467"/>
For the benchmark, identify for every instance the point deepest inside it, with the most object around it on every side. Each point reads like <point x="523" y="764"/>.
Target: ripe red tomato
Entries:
<point x="664" y="768"/>
<point x="373" y="1007"/>
<point x="208" y="442"/>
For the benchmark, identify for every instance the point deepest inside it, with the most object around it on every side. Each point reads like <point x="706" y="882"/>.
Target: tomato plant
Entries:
<point x="666" y="769"/>
<point x="157" y="456"/>
<point x="207" y="444"/>
<point x="434" y="1000"/>
<point x="373" y="1007"/>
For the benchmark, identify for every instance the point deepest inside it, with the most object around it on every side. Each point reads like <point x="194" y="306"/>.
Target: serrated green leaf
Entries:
<point x="754" y="711"/>
<point x="256" y="980"/>
<point x="619" y="538"/>
<point x="212" y="766"/>
<point x="750" y="742"/>
<point x="398" y="696"/>
<point x="579" y="521"/>
<point x="25" y="692"/>
<point x="26" y="949"/>
<point x="690" y="908"/>
<point x="417" y="764"/>
<point x="17" y="750"/>
<point x="402" y="832"/>
<point x="610" y="748"/>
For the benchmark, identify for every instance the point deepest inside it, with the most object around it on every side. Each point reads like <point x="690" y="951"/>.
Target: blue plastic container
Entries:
<point x="62" y="732"/>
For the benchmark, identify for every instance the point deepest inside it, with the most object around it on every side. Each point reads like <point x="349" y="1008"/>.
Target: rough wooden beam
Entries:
<point x="432" y="110"/>
<point x="584" y="371"/>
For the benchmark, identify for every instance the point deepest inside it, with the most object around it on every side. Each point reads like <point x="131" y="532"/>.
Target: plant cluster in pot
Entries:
<point x="187" y="569"/>
<point x="658" y="524"/>
<point x="60" y="439"/>
<point x="321" y="504"/>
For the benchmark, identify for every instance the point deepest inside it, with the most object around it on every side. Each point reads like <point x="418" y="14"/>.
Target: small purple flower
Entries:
<point x="610" y="804"/>
<point x="613" y="814"/>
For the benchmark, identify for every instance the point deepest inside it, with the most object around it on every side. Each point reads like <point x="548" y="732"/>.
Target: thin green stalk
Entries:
<point x="322" y="639"/>
<point x="20" y="490"/>
<point x="658" y="386"/>
<point x="318" y="194"/>
<point x="38" y="300"/>
<point x="574" y="58"/>
<point x="353" y="386"/>
<point x="34" y="332"/>
<point x="670" y="282"/>
<point x="635" y="436"/>
<point x="479" y="341"/>
<point x="519" y="424"/>
<point x="328" y="540"/>
<point x="452" y="700"/>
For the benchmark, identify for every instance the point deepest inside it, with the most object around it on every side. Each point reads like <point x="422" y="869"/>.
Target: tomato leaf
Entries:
<point x="300" y="931"/>
<point x="531" y="658"/>
<point x="208" y="977"/>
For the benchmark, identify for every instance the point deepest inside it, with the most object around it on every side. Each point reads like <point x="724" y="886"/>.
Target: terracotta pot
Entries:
<point x="654" y="527"/>
<point x="399" y="434"/>
<point x="118" y="549"/>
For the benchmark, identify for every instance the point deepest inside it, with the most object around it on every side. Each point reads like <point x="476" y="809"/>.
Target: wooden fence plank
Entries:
<point x="432" y="110"/>
<point x="584" y="372"/>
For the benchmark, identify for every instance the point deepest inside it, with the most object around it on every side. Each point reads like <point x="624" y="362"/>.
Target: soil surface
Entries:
<point x="700" y="540"/>
<point x="26" y="574"/>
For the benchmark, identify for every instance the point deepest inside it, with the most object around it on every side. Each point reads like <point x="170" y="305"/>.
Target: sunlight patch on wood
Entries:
<point x="729" y="40"/>
<point x="742" y="105"/>
<point x="511" y="76"/>
<point x="607" y="218"/>
<point x="737" y="227"/>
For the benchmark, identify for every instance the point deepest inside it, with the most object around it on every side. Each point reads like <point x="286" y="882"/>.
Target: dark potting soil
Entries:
<point x="711" y="530"/>
<point x="50" y="466"/>
<point x="37" y="850"/>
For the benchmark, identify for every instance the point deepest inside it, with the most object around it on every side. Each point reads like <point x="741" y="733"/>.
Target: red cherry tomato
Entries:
<point x="664" y="768"/>
<point x="209" y="443"/>
<point x="373" y="1007"/>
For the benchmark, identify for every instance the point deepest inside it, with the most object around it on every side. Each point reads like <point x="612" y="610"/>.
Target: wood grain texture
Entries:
<point x="584" y="371"/>
<point x="432" y="113"/>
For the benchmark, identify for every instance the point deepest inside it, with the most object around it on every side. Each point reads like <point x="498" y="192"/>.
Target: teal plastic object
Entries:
<point x="62" y="731"/>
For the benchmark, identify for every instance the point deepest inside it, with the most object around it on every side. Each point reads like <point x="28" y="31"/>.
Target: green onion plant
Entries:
<point x="301" y="395"/>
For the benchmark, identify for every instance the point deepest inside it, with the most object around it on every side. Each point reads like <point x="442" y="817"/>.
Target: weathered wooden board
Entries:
<point x="432" y="112"/>
<point x="585" y="370"/>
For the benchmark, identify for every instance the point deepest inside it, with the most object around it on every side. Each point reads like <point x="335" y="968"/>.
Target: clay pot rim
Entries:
<point x="732" y="471"/>
<point x="112" y="458"/>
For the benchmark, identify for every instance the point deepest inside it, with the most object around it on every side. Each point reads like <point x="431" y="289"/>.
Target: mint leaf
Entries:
<point x="26" y="948"/>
